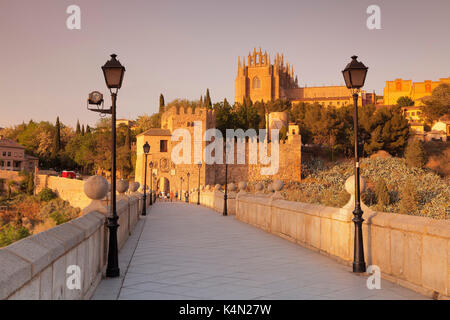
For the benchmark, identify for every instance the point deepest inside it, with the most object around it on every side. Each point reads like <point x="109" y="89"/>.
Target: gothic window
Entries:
<point x="256" y="83"/>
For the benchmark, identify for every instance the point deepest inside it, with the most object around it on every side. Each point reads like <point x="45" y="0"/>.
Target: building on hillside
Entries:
<point x="415" y="121"/>
<point x="440" y="130"/>
<point x="13" y="157"/>
<point x="129" y="123"/>
<point x="260" y="80"/>
<point x="417" y="91"/>
<point x="167" y="173"/>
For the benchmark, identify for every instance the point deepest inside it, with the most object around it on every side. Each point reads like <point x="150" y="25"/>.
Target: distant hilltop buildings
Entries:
<point x="417" y="91"/>
<point x="261" y="80"/>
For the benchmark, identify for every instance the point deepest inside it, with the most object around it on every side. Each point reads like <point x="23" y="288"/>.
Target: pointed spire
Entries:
<point x="239" y="63"/>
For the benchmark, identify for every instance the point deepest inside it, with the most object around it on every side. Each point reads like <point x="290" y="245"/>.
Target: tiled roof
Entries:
<point x="10" y="143"/>
<point x="156" y="132"/>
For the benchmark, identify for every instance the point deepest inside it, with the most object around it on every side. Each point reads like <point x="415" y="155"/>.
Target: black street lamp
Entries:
<point x="187" y="198"/>
<point x="355" y="75"/>
<point x="113" y="72"/>
<point x="225" y="196"/>
<point x="198" y="191"/>
<point x="151" y="181"/>
<point x="146" y="148"/>
<point x="181" y="187"/>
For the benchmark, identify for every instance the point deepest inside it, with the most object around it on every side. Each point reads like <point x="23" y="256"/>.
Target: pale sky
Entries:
<point x="180" y="48"/>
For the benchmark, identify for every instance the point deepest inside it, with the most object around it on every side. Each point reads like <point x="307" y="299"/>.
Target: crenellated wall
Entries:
<point x="37" y="267"/>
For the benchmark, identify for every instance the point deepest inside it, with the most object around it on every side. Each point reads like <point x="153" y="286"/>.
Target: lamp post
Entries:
<point x="355" y="75"/>
<point x="181" y="187"/>
<point x="151" y="181"/>
<point x="198" y="191"/>
<point x="187" y="198"/>
<point x="113" y="72"/>
<point x="225" y="196"/>
<point x="146" y="148"/>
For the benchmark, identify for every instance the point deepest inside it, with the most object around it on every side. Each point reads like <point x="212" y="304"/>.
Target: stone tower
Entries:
<point x="262" y="81"/>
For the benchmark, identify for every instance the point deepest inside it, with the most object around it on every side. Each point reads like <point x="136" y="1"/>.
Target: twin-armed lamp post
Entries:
<point x="113" y="72"/>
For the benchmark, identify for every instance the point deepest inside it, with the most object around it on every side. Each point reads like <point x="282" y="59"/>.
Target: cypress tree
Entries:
<point x="56" y="140"/>
<point x="78" y="129"/>
<point x="415" y="154"/>
<point x="382" y="193"/>
<point x="208" y="102"/>
<point x="128" y="139"/>
<point x="161" y="103"/>
<point x="82" y="130"/>
<point x="88" y="129"/>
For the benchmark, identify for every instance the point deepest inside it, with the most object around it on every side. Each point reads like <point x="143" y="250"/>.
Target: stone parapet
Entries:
<point x="411" y="251"/>
<point x="37" y="267"/>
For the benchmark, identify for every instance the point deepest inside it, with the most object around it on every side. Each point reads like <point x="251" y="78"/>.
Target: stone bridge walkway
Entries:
<point x="182" y="251"/>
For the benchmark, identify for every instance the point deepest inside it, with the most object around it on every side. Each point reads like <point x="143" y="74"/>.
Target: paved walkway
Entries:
<point x="182" y="251"/>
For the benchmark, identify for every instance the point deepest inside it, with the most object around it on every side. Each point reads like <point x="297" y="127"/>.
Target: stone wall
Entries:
<point x="36" y="267"/>
<point x="409" y="250"/>
<point x="6" y="175"/>
<point x="70" y="190"/>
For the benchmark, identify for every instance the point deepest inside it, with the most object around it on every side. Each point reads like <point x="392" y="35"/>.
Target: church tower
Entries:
<point x="262" y="81"/>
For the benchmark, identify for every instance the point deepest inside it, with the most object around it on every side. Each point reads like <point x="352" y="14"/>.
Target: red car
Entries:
<point x="69" y="174"/>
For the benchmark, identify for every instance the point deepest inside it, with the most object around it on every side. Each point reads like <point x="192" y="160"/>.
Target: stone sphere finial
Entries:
<point x="242" y="185"/>
<point x="232" y="187"/>
<point x="350" y="184"/>
<point x="259" y="187"/>
<point x="278" y="185"/>
<point x="134" y="186"/>
<point x="96" y="187"/>
<point x="122" y="186"/>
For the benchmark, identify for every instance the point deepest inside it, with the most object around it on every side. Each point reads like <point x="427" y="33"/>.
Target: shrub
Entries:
<point x="11" y="233"/>
<point x="415" y="154"/>
<point x="408" y="198"/>
<point x="46" y="195"/>
<point x="382" y="193"/>
<point x="58" y="210"/>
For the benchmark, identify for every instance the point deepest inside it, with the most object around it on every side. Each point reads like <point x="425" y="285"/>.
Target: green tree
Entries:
<point x="11" y="184"/>
<point x="408" y="198"/>
<point x="405" y="101"/>
<point x="208" y="103"/>
<point x="11" y="233"/>
<point x="161" y="103"/>
<point x="88" y="129"/>
<point x="78" y="129"/>
<point x="82" y="130"/>
<point x="225" y="116"/>
<point x="415" y="154"/>
<point x="382" y="194"/>
<point x="438" y="104"/>
<point x="56" y="147"/>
